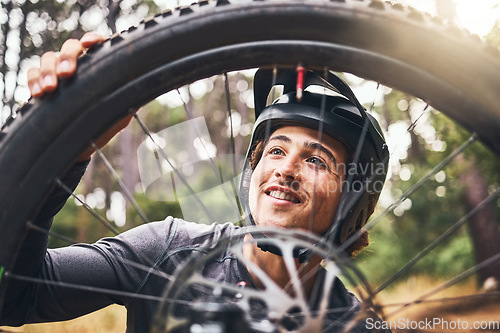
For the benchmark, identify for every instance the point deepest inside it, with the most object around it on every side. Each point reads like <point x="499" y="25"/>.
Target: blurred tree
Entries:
<point x="440" y="202"/>
<point x="478" y="177"/>
<point x="458" y="189"/>
<point x="29" y="28"/>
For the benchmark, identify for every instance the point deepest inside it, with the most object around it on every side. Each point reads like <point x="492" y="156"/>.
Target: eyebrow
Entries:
<point x="309" y="145"/>
<point x="281" y="138"/>
<point x="320" y="147"/>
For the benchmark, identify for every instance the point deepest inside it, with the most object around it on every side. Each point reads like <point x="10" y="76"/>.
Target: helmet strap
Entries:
<point x="302" y="254"/>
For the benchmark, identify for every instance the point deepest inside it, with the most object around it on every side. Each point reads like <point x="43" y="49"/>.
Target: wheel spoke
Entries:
<point x="353" y="50"/>
<point x="414" y="123"/>
<point x="450" y="283"/>
<point x="51" y="233"/>
<point x="437" y="241"/>
<point x="89" y="209"/>
<point x="227" y="94"/>
<point x="175" y="170"/>
<point x="320" y="141"/>
<point x="490" y="296"/>
<point x="440" y="166"/>
<point x="13" y="276"/>
<point x="121" y="184"/>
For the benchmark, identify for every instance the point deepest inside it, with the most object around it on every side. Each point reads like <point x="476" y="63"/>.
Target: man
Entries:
<point x="306" y="169"/>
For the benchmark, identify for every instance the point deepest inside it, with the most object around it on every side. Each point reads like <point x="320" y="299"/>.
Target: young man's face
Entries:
<point x="297" y="182"/>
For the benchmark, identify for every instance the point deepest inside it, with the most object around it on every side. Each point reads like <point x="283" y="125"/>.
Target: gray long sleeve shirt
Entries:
<point x="119" y="268"/>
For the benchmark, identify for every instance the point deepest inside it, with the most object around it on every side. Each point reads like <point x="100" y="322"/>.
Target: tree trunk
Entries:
<point x="128" y="160"/>
<point x="3" y="54"/>
<point x="113" y="13"/>
<point x="483" y="227"/>
<point x="83" y="218"/>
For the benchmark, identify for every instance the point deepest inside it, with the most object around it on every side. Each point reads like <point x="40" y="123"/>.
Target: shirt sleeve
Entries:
<point x="32" y="253"/>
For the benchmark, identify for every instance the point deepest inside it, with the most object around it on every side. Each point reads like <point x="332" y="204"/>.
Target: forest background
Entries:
<point x="30" y="28"/>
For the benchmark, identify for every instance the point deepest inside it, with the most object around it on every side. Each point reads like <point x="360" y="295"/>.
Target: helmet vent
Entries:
<point x="275" y="93"/>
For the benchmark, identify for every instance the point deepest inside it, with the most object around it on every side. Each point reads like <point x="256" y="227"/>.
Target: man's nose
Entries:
<point x="288" y="169"/>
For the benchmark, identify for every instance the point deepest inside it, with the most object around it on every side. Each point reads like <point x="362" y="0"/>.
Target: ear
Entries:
<point x="352" y="225"/>
<point x="366" y="210"/>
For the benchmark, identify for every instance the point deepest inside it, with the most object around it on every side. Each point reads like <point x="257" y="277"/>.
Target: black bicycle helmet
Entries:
<point x="343" y="118"/>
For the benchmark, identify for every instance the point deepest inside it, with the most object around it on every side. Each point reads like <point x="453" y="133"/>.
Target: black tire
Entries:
<point x="398" y="47"/>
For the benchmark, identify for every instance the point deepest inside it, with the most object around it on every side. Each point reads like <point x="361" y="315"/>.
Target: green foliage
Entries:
<point x="392" y="248"/>
<point x="435" y="207"/>
<point x="160" y="116"/>
<point x="494" y="36"/>
<point x="32" y="28"/>
<point x="77" y="225"/>
<point x="154" y="210"/>
<point x="72" y="219"/>
<point x="455" y="136"/>
<point x="65" y="224"/>
<point x="394" y="241"/>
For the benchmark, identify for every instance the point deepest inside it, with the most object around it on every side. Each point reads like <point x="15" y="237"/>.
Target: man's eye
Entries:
<point x="318" y="162"/>
<point x="275" y="151"/>
<point x="314" y="160"/>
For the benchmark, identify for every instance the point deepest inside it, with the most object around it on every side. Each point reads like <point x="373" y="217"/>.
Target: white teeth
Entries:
<point x="283" y="196"/>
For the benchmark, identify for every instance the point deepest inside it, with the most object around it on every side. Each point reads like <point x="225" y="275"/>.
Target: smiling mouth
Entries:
<point x="283" y="196"/>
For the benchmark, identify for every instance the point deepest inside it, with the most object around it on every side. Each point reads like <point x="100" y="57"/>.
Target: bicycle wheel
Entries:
<point x="394" y="46"/>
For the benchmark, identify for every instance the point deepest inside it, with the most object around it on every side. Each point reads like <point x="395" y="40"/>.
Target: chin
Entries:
<point x="271" y="223"/>
<point x="284" y="224"/>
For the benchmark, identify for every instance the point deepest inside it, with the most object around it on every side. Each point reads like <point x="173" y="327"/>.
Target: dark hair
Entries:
<point x="362" y="239"/>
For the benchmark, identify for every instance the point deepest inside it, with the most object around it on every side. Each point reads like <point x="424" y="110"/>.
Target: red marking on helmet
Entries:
<point x="300" y="82"/>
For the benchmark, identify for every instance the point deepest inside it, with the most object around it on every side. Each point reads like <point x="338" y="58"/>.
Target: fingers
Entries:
<point x="66" y="62"/>
<point x="48" y="79"/>
<point x="43" y="79"/>
<point x="34" y="82"/>
<point x="91" y="38"/>
<point x="59" y="65"/>
<point x="72" y="49"/>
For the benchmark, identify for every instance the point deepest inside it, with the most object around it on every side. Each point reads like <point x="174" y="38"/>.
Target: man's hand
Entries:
<point x="62" y="64"/>
<point x="54" y="65"/>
